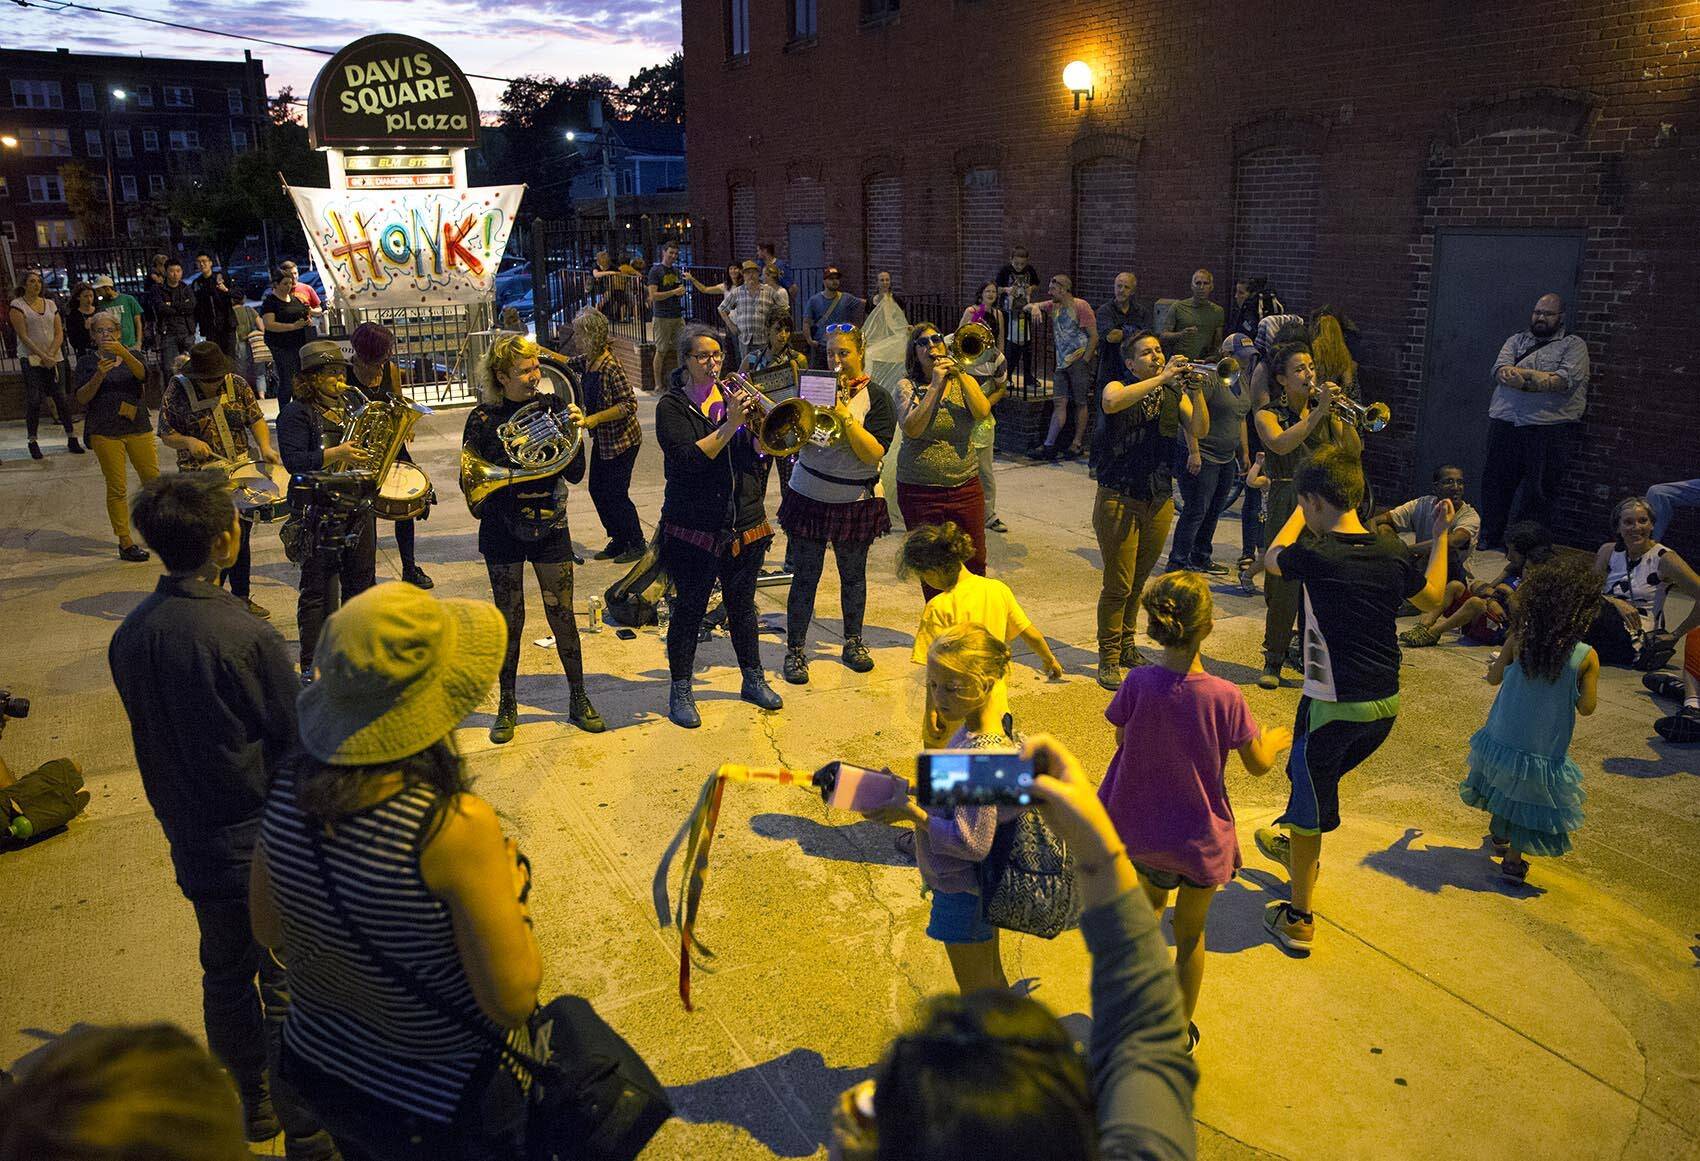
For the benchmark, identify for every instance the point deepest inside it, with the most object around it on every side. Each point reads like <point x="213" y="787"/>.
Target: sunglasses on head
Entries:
<point x="838" y="328"/>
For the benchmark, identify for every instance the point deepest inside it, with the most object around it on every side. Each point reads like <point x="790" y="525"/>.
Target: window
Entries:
<point x="46" y="188"/>
<point x="179" y="97"/>
<point x="127" y="185"/>
<point x="156" y="185"/>
<point x="803" y="19"/>
<point x="9" y="231"/>
<point x="144" y="96"/>
<point x="877" y="10"/>
<point x="150" y="140"/>
<point x="45" y="142"/>
<point x="37" y="95"/>
<point x="85" y="95"/>
<point x="238" y="139"/>
<point x="91" y="138"/>
<point x="51" y="232"/>
<point x="234" y="96"/>
<point x="121" y="144"/>
<point x="185" y="139"/>
<point x="738" y="28"/>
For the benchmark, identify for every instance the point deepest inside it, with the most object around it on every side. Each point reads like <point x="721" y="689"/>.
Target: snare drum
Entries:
<point x="404" y="494"/>
<point x="260" y="490"/>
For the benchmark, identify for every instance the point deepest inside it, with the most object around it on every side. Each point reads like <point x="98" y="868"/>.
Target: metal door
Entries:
<point x="807" y="256"/>
<point x="1485" y="284"/>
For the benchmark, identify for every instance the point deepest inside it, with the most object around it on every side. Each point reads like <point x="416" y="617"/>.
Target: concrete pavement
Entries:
<point x="1442" y="1012"/>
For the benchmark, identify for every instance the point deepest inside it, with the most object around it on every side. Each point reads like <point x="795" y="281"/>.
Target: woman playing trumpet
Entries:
<point x="835" y="498"/>
<point x="527" y="521"/>
<point x="713" y="520"/>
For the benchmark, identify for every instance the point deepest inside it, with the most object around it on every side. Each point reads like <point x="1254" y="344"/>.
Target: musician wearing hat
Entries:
<point x="373" y="373"/>
<point x="310" y="434"/>
<point x="521" y="509"/>
<point x="210" y="417"/>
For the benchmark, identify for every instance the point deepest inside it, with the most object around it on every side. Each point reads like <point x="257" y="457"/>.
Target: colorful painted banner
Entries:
<point x="408" y="247"/>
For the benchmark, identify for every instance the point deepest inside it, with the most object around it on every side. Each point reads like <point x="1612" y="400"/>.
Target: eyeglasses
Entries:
<point x="708" y="356"/>
<point x="838" y="328"/>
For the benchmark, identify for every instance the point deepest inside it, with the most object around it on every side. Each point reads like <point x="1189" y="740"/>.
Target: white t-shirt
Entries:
<point x="1415" y="519"/>
<point x="39" y="328"/>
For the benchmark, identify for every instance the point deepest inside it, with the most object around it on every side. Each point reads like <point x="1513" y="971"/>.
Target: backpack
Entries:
<point x="49" y="796"/>
<point x="632" y="600"/>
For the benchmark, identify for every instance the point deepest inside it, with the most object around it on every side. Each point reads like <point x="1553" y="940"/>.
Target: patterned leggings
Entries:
<point x="507" y="585"/>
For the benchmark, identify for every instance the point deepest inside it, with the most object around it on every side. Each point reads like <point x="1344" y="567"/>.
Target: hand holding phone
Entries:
<point x="975" y="778"/>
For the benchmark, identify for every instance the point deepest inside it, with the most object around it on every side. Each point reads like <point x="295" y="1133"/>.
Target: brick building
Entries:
<point x="1426" y="169"/>
<point x="60" y="109"/>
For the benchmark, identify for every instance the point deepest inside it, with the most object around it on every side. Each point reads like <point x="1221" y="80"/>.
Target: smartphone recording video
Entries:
<point x="974" y="778"/>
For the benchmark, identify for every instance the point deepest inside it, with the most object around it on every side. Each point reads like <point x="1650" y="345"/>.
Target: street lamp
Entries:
<point x="571" y="136"/>
<point x="9" y="141"/>
<point x="109" y="148"/>
<point x="1077" y="77"/>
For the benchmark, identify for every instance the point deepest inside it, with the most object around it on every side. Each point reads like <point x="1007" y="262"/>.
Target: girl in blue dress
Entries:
<point x="1521" y="772"/>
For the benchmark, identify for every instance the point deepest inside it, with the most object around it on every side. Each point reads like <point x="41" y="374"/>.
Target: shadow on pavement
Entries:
<point x="105" y="606"/>
<point x="860" y="842"/>
<point x="1434" y="867"/>
<point x="801" y="1073"/>
<point x="50" y="542"/>
<point x="1671" y="759"/>
<point x="1231" y="670"/>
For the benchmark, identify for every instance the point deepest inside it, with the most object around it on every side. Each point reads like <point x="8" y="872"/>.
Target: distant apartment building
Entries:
<point x="145" y="124"/>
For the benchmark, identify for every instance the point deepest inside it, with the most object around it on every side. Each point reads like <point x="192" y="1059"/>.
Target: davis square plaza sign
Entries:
<point x="392" y="92"/>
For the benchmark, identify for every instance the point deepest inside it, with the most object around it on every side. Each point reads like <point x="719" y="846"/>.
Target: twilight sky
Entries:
<point x="503" y="38"/>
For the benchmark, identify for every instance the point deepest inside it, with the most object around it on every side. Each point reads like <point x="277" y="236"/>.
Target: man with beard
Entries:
<point x="1540" y="391"/>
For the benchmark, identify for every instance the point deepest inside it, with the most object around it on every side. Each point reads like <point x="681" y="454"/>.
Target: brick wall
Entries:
<point x="805" y="201"/>
<point x="742" y="231"/>
<point x="1104" y="218"/>
<point x="882" y="229"/>
<point x="1391" y="104"/>
<point x="1276" y="193"/>
<point x="979" y="226"/>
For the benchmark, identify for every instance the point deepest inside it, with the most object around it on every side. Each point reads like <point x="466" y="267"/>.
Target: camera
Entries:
<point x="846" y="787"/>
<point x="975" y="778"/>
<point x="329" y="504"/>
<point x="13" y="707"/>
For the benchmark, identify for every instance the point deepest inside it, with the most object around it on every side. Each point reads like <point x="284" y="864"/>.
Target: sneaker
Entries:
<point x="758" y="692"/>
<point x="1131" y="657"/>
<point x="1517" y="872"/>
<point x="259" y="1119"/>
<point x="795" y="668"/>
<point x="1248" y="580"/>
<point x="1291" y="932"/>
<point x="1210" y="567"/>
<point x="416" y="577"/>
<point x="608" y="553"/>
<point x="1682" y="727"/>
<point x="258" y="610"/>
<point x="73" y="446"/>
<point x="1174" y="565"/>
<point x="1419" y="637"/>
<point x="1110" y="675"/>
<point x="1666" y="685"/>
<point x="996" y="525"/>
<point x="629" y="555"/>
<point x="134" y="553"/>
<point x="1275" y="846"/>
<point x="1270" y="678"/>
<point x="35" y="451"/>
<point x="856" y="655"/>
<point x="1072" y="454"/>
<point x="507" y="720"/>
<point x="583" y="715"/>
<point x="1041" y="451"/>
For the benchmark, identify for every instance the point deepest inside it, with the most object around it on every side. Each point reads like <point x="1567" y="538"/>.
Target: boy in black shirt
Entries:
<point x="1354" y="582"/>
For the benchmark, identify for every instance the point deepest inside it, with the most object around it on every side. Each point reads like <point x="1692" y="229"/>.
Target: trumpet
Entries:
<point x="1227" y="369"/>
<point x="1363" y="416"/>
<point x="784" y="428"/>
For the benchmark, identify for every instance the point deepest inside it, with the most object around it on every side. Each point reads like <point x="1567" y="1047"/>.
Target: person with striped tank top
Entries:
<point x="374" y="860"/>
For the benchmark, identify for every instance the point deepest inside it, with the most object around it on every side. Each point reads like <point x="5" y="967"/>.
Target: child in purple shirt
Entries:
<point x="1175" y="725"/>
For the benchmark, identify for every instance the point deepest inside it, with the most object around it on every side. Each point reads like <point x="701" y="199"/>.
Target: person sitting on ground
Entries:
<point x="145" y="1091"/>
<point x="1683" y="726"/>
<point x="936" y="554"/>
<point x="1639" y="573"/>
<point x="1482" y="609"/>
<point x="376" y="858"/>
<point x="1415" y="517"/>
<point x="995" y="1077"/>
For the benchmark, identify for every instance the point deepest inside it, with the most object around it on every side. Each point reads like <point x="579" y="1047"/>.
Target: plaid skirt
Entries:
<point x="858" y="522"/>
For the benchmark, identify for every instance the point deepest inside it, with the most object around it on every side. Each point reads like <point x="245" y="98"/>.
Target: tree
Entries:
<point x="285" y="109"/>
<point x="657" y="93"/>
<point x="240" y="191"/>
<point x="85" y="197"/>
<point x="537" y="112"/>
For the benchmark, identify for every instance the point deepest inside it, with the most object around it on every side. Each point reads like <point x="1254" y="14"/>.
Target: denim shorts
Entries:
<point x="1073" y="382"/>
<point x="957" y="918"/>
<point x="1166" y="880"/>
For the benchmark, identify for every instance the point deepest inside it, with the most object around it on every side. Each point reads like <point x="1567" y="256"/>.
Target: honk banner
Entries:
<point x="408" y="247"/>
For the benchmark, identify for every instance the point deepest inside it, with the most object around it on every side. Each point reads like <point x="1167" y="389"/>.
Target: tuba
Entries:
<point x="538" y="441"/>
<point x="379" y="428"/>
<point x="784" y="428"/>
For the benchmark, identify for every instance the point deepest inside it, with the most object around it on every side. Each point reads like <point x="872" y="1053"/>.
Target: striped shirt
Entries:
<point x="348" y="1017"/>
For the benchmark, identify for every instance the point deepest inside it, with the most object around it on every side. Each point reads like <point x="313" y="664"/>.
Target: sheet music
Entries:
<point x="820" y="388"/>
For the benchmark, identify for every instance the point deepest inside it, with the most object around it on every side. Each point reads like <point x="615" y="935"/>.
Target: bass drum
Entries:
<point x="405" y="493"/>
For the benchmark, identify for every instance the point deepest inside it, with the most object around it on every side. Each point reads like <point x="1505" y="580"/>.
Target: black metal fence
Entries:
<point x="435" y="347"/>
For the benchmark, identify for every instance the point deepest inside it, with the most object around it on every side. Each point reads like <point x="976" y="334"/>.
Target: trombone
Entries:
<point x="1363" y="416"/>
<point x="969" y="344"/>
<point x="784" y="428"/>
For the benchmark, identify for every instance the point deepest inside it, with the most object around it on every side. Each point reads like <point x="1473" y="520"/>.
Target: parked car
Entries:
<point x="512" y="284"/>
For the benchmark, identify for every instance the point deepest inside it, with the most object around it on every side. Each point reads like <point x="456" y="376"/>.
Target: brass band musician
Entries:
<point x="374" y="374"/>
<point x="525" y="518"/>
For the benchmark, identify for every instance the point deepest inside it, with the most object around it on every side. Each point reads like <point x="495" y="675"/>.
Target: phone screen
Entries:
<point x="973" y="778"/>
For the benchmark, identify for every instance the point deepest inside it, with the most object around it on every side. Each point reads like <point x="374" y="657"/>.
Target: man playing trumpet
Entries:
<point x="526" y="519"/>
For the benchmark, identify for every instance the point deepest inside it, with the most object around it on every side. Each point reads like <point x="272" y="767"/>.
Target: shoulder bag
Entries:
<point x="592" y="1097"/>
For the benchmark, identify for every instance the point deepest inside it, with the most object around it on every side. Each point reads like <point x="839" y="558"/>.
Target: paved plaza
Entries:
<point x="1443" y="1013"/>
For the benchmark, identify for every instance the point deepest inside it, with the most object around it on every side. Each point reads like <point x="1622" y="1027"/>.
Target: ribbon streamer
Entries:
<point x="697" y="834"/>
